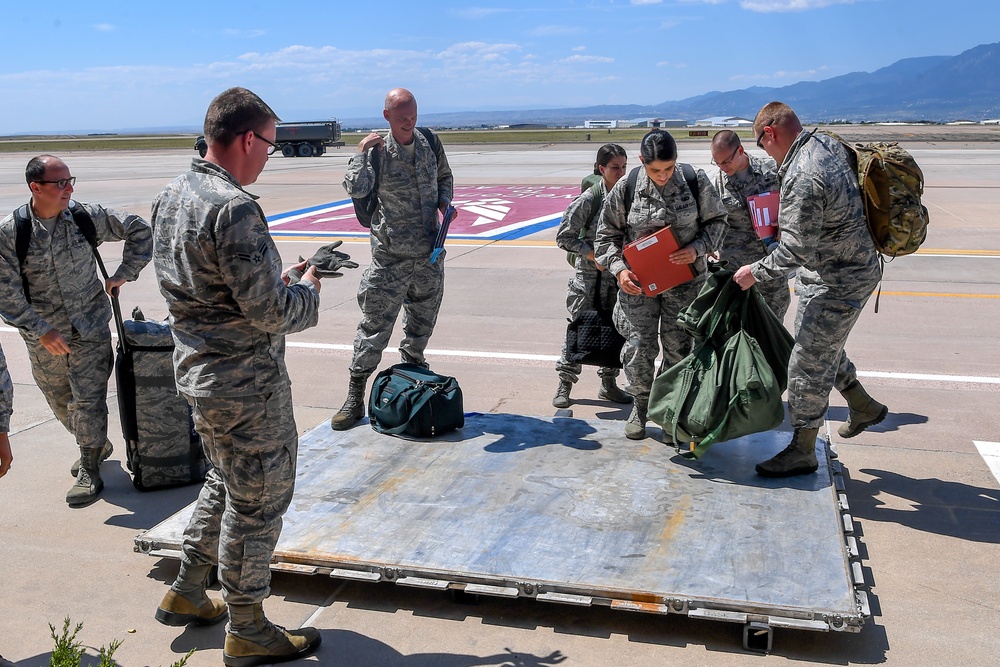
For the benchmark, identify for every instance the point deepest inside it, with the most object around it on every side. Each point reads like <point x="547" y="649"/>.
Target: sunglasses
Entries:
<point x="61" y="183"/>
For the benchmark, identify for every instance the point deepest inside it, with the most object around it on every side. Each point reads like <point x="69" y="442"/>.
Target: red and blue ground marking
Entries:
<point x="485" y="212"/>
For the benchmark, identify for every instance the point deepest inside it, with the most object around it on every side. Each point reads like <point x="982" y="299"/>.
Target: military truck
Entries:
<point x="306" y="139"/>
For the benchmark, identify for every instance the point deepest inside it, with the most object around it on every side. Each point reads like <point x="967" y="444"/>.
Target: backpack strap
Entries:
<point x="633" y="178"/>
<point x="22" y="238"/>
<point x="692" y="181"/>
<point x="431" y="138"/>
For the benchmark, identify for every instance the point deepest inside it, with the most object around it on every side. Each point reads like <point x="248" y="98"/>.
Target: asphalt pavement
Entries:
<point x="924" y="499"/>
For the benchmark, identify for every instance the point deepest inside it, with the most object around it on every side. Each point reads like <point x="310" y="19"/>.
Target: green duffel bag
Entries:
<point x="410" y="400"/>
<point x="729" y="386"/>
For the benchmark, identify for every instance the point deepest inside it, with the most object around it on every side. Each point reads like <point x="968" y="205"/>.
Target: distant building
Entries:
<point x="723" y="121"/>
<point x="992" y="121"/>
<point x="600" y="124"/>
<point x="528" y="126"/>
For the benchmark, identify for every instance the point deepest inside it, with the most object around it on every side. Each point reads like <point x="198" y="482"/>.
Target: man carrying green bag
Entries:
<point x="731" y="385"/>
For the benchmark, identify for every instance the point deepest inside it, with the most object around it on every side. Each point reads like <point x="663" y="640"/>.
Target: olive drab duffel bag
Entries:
<point x="410" y="400"/>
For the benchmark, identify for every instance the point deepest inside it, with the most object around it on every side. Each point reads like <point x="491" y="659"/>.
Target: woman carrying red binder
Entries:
<point x="662" y="197"/>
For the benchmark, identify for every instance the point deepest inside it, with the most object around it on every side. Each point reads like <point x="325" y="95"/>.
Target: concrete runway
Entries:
<point x="925" y="501"/>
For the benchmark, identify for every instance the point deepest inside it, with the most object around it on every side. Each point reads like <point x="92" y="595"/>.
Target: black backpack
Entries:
<point x="365" y="207"/>
<point x="22" y="238"/>
<point x="689" y="175"/>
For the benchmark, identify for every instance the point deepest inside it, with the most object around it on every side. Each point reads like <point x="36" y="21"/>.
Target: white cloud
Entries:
<point x="579" y="48"/>
<point x="104" y="27"/>
<point x="550" y="30"/>
<point x="478" y="12"/>
<point x="587" y="59"/>
<point x="768" y="6"/>
<point x="244" y="34"/>
<point x="647" y="2"/>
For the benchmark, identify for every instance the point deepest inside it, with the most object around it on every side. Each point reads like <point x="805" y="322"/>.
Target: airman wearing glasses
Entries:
<point x="231" y="305"/>
<point x="740" y="176"/>
<point x="56" y="299"/>
<point x="825" y="236"/>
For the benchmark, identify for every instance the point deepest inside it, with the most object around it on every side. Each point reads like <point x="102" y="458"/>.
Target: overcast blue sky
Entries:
<point x="92" y="65"/>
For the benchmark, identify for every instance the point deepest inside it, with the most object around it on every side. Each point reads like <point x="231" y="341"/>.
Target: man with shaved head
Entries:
<point x="414" y="184"/>
<point x="51" y="292"/>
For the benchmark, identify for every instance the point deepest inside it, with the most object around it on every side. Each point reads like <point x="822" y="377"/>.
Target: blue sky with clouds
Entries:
<point x="93" y="65"/>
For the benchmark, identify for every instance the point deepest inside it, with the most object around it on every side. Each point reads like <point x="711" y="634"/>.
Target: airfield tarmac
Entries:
<point x="923" y="485"/>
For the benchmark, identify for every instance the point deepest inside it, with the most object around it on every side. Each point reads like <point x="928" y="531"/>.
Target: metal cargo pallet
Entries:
<point x="569" y="510"/>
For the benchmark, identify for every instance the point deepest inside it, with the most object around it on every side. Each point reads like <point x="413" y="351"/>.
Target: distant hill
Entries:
<point x="931" y="88"/>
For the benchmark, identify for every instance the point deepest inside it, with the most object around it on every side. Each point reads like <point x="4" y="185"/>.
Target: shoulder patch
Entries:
<point x="254" y="255"/>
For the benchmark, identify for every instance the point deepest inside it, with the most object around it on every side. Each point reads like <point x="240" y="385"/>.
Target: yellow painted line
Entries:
<point x="943" y="251"/>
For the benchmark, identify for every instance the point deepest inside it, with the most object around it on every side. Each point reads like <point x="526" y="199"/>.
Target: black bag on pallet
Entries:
<point x="407" y="399"/>
<point x="161" y="445"/>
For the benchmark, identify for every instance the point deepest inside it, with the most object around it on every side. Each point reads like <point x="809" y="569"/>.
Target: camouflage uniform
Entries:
<point x="741" y="245"/>
<point x="67" y="295"/>
<point x="580" y="220"/>
<point x="823" y="230"/>
<point x="410" y="194"/>
<point x="220" y="272"/>
<point x="651" y="322"/>
<point x="6" y="395"/>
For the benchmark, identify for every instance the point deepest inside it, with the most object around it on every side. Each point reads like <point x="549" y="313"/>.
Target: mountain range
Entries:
<point x="929" y="88"/>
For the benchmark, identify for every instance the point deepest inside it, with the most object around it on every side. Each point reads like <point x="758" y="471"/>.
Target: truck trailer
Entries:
<point x="306" y="139"/>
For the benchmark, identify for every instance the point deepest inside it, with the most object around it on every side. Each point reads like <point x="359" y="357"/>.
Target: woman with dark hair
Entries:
<point x="576" y="235"/>
<point x="662" y="198"/>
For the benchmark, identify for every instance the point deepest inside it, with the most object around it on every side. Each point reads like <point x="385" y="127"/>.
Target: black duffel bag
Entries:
<point x="407" y="399"/>
<point x="592" y="339"/>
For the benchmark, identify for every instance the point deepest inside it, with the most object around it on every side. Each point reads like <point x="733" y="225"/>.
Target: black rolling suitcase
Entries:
<point x="161" y="445"/>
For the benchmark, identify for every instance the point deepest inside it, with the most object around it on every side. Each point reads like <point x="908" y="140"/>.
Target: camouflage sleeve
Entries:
<point x="611" y="226"/>
<point x="574" y="221"/>
<point x="6" y="395"/>
<point x="359" y="179"/>
<point x="446" y="181"/>
<point x="711" y="216"/>
<point x="14" y="307"/>
<point x="800" y="217"/>
<point x="113" y="225"/>
<point x="251" y="266"/>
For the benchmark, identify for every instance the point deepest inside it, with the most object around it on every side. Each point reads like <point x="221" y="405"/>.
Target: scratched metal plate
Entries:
<point x="569" y="506"/>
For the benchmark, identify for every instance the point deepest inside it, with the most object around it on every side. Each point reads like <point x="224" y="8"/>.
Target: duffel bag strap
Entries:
<point x="425" y="396"/>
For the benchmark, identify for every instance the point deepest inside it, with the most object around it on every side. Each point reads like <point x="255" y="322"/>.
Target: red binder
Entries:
<point x="649" y="259"/>
<point x="764" y="214"/>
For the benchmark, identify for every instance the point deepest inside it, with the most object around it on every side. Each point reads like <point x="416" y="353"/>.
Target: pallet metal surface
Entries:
<point x="569" y="510"/>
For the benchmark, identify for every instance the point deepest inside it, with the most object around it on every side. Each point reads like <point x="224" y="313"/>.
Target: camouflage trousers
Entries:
<point x="819" y="362"/>
<point x="75" y="385"/>
<point x="252" y="443"/>
<point x="6" y="395"/>
<point x="649" y="323"/>
<point x="416" y="286"/>
<point x="581" y="294"/>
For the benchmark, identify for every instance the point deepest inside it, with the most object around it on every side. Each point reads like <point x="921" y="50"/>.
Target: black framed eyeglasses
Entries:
<point x="61" y="183"/>
<point x="726" y="163"/>
<point x="760" y="138"/>
<point x="271" y="146"/>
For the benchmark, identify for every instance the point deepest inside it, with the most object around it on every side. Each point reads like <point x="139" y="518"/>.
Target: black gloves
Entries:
<point x="328" y="262"/>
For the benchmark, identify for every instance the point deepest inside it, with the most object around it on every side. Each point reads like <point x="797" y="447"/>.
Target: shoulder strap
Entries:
<point x="431" y="139"/>
<point x="22" y="230"/>
<point x="22" y="239"/>
<point x="85" y="224"/>
<point x="692" y="180"/>
<point x="598" y="201"/>
<point x="633" y="178"/>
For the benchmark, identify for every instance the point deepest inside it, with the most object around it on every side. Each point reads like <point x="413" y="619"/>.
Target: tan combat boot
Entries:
<point x="635" y="425"/>
<point x="353" y="408"/>
<point x="88" y="484"/>
<point x="187" y="602"/>
<point x="798" y="458"/>
<point x="864" y="411"/>
<point x="106" y="451"/>
<point x="561" y="399"/>
<point x="610" y="391"/>
<point x="254" y="640"/>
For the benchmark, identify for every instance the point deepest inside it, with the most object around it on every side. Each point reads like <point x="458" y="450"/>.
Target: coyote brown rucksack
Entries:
<point x="891" y="187"/>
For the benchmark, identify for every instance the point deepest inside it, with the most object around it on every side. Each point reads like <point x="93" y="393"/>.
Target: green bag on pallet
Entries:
<point x="729" y="386"/>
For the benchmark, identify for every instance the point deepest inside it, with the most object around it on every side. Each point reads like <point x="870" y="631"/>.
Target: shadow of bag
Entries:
<point x="592" y="338"/>
<point x="410" y="400"/>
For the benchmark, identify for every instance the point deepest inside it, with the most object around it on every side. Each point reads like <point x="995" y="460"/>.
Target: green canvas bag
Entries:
<point x="729" y="386"/>
<point x="410" y="400"/>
